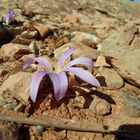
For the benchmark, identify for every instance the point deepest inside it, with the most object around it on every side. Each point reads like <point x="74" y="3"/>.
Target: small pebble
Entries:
<point x="10" y="106"/>
<point x="40" y="129"/>
<point x="29" y="35"/>
<point x="19" y="107"/>
<point x="79" y="102"/>
<point x="100" y="107"/>
<point x="101" y="62"/>
<point x="33" y="47"/>
<point x="42" y="29"/>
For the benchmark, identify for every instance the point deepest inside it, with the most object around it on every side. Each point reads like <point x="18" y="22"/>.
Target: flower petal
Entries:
<point x="84" y="75"/>
<point x="9" y="16"/>
<point x="60" y="84"/>
<point x="80" y="60"/>
<point x="35" y="83"/>
<point x="27" y="63"/>
<point x="65" y="55"/>
<point x="41" y="60"/>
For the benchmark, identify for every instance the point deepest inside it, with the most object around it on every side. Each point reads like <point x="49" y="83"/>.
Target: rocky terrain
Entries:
<point x="108" y="32"/>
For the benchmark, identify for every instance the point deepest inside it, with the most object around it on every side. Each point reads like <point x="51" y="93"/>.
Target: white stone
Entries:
<point x="19" y="84"/>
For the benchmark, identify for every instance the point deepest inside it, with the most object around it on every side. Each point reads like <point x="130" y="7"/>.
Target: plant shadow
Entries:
<point x="6" y="36"/>
<point x="104" y="96"/>
<point x="46" y="88"/>
<point x="24" y="133"/>
<point x="128" y="132"/>
<point x="102" y="81"/>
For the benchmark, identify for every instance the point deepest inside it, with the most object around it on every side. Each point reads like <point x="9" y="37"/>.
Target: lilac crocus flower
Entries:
<point x="58" y="75"/>
<point x="9" y="16"/>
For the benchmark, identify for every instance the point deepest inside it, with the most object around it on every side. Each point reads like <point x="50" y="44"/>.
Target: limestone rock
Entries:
<point x="42" y="29"/>
<point x="13" y="51"/>
<point x="29" y="34"/>
<point x="101" y="61"/>
<point x="71" y="18"/>
<point x="124" y="52"/>
<point x="19" y="17"/>
<point x="132" y="104"/>
<point x="110" y="78"/>
<point x="85" y="38"/>
<point x="100" y="107"/>
<point x="40" y="129"/>
<point x="10" y="106"/>
<point x="19" y="84"/>
<point x="81" y="50"/>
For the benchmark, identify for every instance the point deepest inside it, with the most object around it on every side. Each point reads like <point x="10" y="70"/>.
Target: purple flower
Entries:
<point x="9" y="16"/>
<point x="58" y="74"/>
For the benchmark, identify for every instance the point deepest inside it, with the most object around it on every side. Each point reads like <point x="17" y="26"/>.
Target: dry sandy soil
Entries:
<point x="111" y="112"/>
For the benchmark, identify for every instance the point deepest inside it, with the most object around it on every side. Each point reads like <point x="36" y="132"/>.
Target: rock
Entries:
<point x="132" y="89"/>
<point x="29" y="34"/>
<point x="19" y="17"/>
<point x="3" y="71"/>
<point x="37" y="17"/>
<point x="132" y="104"/>
<point x="13" y="51"/>
<point x="28" y="24"/>
<point x="85" y="38"/>
<point x="71" y="18"/>
<point x="76" y="18"/>
<point x="10" y="106"/>
<point x="18" y="84"/>
<point x="79" y="102"/>
<point x="9" y="131"/>
<point x="81" y="50"/>
<point x="40" y="129"/>
<point x="101" y="61"/>
<point x="7" y="100"/>
<point x="20" y="40"/>
<point x="14" y="31"/>
<point x="100" y="106"/>
<point x="33" y="48"/>
<point x="83" y="138"/>
<point x="43" y="30"/>
<point x="124" y="52"/>
<point x="110" y="78"/>
<point x="19" y="107"/>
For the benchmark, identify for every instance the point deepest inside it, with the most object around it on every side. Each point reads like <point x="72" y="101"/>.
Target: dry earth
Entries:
<point x="106" y="31"/>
